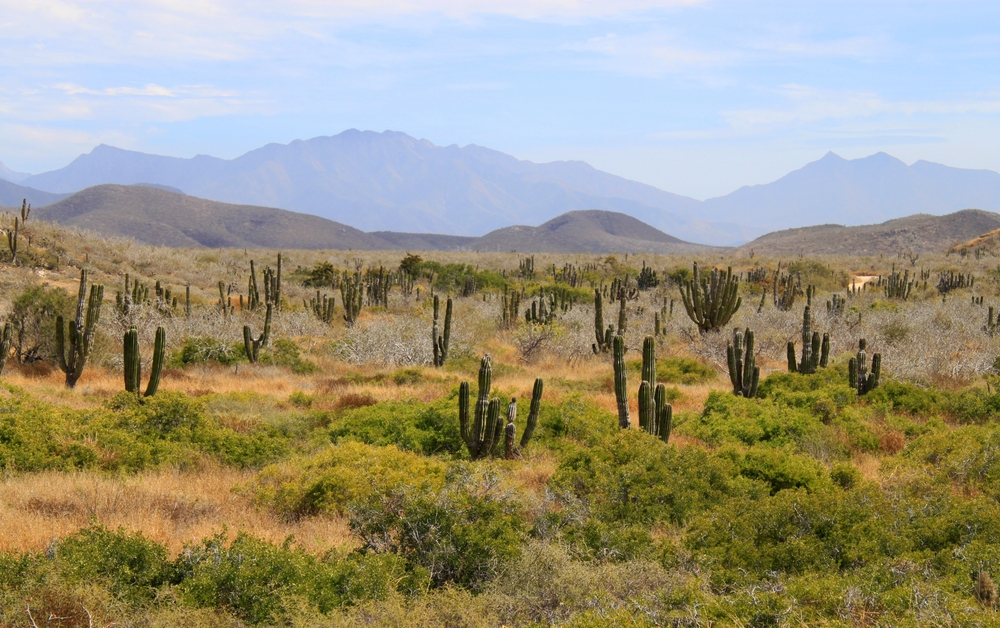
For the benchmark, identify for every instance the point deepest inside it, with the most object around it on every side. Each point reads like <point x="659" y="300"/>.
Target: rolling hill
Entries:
<point x="586" y="231"/>
<point x="163" y="218"/>
<point x="914" y="234"/>
<point x="156" y="216"/>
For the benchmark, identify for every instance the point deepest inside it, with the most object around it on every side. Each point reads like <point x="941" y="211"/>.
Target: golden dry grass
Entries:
<point x="171" y="507"/>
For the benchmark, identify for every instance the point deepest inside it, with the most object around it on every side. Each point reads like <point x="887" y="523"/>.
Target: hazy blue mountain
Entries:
<point x="10" y="175"/>
<point x="856" y="192"/>
<point x="11" y="195"/>
<point x="391" y="181"/>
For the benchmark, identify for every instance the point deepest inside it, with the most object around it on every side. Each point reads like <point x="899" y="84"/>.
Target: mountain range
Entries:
<point x="167" y="218"/>
<point x="393" y="182"/>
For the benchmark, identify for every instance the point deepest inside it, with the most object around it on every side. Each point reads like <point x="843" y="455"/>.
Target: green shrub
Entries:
<point x="129" y="565"/>
<point x="730" y="419"/>
<point x="341" y="474"/>
<point x="462" y="533"/>
<point x="420" y="427"/>
<point x="33" y="316"/>
<point x="635" y="478"/>
<point x="284" y="352"/>
<point x="262" y="583"/>
<point x="686" y="371"/>
<point x="201" y="350"/>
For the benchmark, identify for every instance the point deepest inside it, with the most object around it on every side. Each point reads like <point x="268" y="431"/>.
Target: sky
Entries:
<point x="697" y="97"/>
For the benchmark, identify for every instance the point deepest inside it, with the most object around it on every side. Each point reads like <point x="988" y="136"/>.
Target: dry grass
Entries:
<point x="170" y="507"/>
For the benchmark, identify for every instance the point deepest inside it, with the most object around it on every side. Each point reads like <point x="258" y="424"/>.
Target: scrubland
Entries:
<point x="329" y="484"/>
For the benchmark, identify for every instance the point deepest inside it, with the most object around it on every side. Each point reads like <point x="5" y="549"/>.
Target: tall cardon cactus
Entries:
<point x="814" y="352"/>
<point x="655" y="414"/>
<point x="73" y="358"/>
<point x="441" y="341"/>
<point x="743" y="370"/>
<point x="483" y="432"/>
<point x="711" y="301"/>
<point x="858" y="375"/>
<point x="621" y="382"/>
<point x="133" y="361"/>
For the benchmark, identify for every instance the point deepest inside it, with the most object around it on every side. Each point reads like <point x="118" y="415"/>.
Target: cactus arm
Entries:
<point x="536" y="403"/>
<point x="492" y="429"/>
<point x="159" y="355"/>
<point x="824" y="358"/>
<point x="791" y="357"/>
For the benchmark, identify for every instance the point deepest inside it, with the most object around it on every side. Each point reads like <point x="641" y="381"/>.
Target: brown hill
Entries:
<point x="915" y="234"/>
<point x="167" y="218"/>
<point x="585" y="231"/>
<point x="164" y="218"/>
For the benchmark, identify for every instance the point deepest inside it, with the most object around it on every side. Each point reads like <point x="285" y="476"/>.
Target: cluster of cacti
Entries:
<point x="655" y="414"/>
<point x="225" y="304"/>
<point x="484" y="432"/>
<point x="858" y="375"/>
<point x="711" y="301"/>
<point x="12" y="240"/>
<point x="351" y="296"/>
<point x="253" y="295"/>
<point x="253" y="345"/>
<point x="744" y="373"/>
<point x="835" y="306"/>
<point x="897" y="286"/>
<point x="568" y="275"/>
<point x="73" y="358"/>
<point x="133" y="361"/>
<point x="526" y="267"/>
<point x="950" y="280"/>
<point x="441" y="341"/>
<point x="647" y="278"/>
<point x="321" y="307"/>
<point x="623" y="289"/>
<point x="604" y="336"/>
<point x="135" y="294"/>
<point x="470" y="287"/>
<point x="757" y="275"/>
<point x="165" y="301"/>
<point x="785" y="289"/>
<point x="542" y="310"/>
<point x="814" y="352"/>
<point x="377" y="286"/>
<point x="6" y="338"/>
<point x="511" y="307"/>
<point x="977" y="300"/>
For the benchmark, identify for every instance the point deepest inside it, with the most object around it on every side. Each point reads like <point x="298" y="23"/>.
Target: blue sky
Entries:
<point x="694" y="97"/>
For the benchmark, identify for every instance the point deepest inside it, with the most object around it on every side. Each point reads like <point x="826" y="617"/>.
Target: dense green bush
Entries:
<point x="331" y="480"/>
<point x="425" y="428"/>
<point x="200" y="350"/>
<point x="462" y="533"/>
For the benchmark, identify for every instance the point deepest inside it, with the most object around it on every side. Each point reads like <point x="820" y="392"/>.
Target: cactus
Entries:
<point x="322" y="307"/>
<point x="351" y="295"/>
<point x="484" y="434"/>
<point x="785" y="291"/>
<point x="836" y="306"/>
<point x="814" y="352"/>
<point x="655" y="414"/>
<point x="511" y="307"/>
<point x="187" y="301"/>
<point x="604" y="336"/>
<point x="621" y="382"/>
<point x="536" y="404"/>
<point x="510" y="431"/>
<point x="133" y="361"/>
<point x="5" y="341"/>
<point x="441" y="342"/>
<point x="992" y="323"/>
<point x="647" y="278"/>
<point x="72" y="359"/>
<point x="743" y="370"/>
<point x="711" y="301"/>
<point x="897" y="286"/>
<point x="858" y="375"/>
<point x="252" y="345"/>
<point x="12" y="235"/>
<point x="622" y="317"/>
